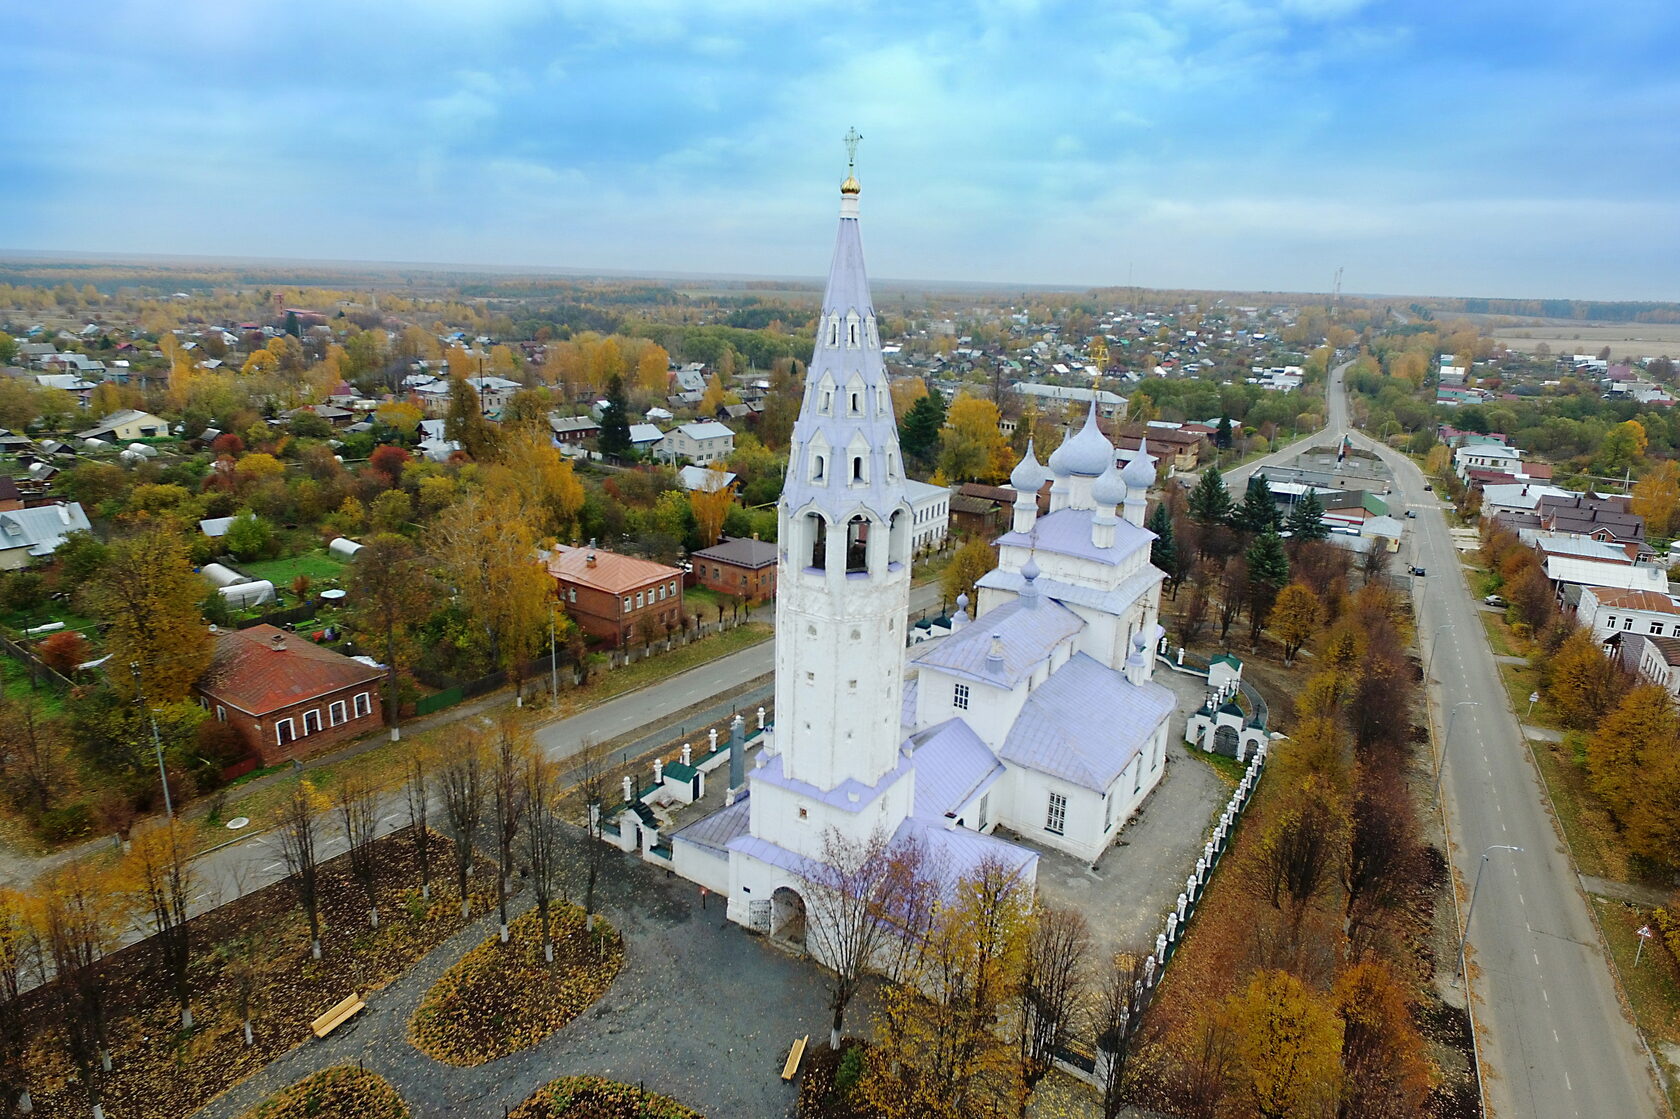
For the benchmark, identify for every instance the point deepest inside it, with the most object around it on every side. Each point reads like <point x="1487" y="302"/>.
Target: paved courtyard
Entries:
<point x="1126" y="895"/>
<point x="702" y="1011"/>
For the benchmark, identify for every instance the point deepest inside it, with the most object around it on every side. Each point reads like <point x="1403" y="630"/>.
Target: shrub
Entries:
<point x="22" y="590"/>
<point x="595" y="1097"/>
<point x="64" y="823"/>
<point x="65" y="650"/>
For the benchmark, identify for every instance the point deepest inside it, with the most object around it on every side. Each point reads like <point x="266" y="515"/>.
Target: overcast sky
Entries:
<point x="1450" y="147"/>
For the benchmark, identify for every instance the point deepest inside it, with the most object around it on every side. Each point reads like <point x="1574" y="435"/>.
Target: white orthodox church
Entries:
<point x="1039" y="715"/>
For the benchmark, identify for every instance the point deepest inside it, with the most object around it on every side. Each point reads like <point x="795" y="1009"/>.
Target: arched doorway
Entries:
<point x="1225" y="741"/>
<point x="787" y="916"/>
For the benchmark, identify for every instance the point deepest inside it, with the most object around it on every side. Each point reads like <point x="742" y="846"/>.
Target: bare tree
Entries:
<point x="357" y="803"/>
<point x="507" y="804"/>
<point x="418" y="790"/>
<point x="461" y="783"/>
<point x="542" y="839"/>
<point x="1300" y="848"/>
<point x="1047" y="998"/>
<point x="848" y="897"/>
<point x="158" y="872"/>
<point x="1233" y="593"/>
<point x="593" y="776"/>
<point x="298" y="841"/>
<point x="1118" y="1014"/>
<point x="244" y="963"/>
<point x="19" y="962"/>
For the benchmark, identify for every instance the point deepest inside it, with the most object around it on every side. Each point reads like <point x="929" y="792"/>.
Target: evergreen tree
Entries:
<point x="292" y="326"/>
<point x="1163" y="552"/>
<point x="1210" y="501"/>
<point x="1306" y="519"/>
<point x="1258" y="512"/>
<point x="464" y="421"/>
<point x="918" y="434"/>
<point x="1222" y="434"/>
<point x="615" y="421"/>
<point x="1268" y="573"/>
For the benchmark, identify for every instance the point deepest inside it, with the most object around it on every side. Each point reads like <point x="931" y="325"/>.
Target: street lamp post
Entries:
<point x="157" y="743"/>
<point x="1429" y="660"/>
<point x="1446" y="741"/>
<point x="1474" y="890"/>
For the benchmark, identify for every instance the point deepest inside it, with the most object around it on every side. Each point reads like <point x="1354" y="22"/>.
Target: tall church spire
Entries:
<point x="845" y="444"/>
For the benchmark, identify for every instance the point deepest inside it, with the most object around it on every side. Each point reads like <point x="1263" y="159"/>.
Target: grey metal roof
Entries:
<point x="741" y="551"/>
<point x="1027" y="636"/>
<point x="1067" y="532"/>
<point x="952" y="768"/>
<point x="1085" y="723"/>
<point x="1116" y="601"/>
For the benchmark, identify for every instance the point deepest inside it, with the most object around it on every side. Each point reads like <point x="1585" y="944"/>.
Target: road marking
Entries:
<point x="1556" y="1038"/>
<point x="274" y="866"/>
<point x="1566" y="1082"/>
<point x="1545" y="996"/>
<point x="1536" y="956"/>
<point x="1520" y="900"/>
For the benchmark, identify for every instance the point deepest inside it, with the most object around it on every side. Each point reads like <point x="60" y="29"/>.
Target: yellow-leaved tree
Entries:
<point x="1631" y="758"/>
<point x="710" y="502"/>
<point x="148" y="597"/>
<point x="1287" y="1041"/>
<point x="1294" y="618"/>
<point x="487" y="542"/>
<point x="971" y="446"/>
<point x="529" y="466"/>
<point x="1656" y="497"/>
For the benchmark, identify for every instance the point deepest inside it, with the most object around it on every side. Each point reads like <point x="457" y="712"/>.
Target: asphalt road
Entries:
<point x="1552" y="1030"/>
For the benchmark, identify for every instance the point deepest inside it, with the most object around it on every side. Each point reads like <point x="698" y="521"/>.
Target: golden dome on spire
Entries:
<point x="850" y="186"/>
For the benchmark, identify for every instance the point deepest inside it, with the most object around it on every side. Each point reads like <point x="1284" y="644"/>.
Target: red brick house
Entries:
<point x="610" y="595"/>
<point x="286" y="696"/>
<point x="738" y="566"/>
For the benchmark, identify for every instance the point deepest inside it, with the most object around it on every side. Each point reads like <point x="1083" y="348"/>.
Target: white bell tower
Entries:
<point x="843" y="577"/>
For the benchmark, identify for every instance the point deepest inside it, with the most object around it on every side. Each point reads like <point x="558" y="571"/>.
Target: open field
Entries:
<point x="1625" y="339"/>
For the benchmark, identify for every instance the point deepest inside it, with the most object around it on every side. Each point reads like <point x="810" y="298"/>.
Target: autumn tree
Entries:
<point x="81" y="915"/>
<point x="938" y="1051"/>
<point x="159" y="876"/>
<point x="710" y="502"/>
<point x="1385" y="1071"/>
<point x="1301" y="847"/>
<point x="64" y="651"/>
<point x="593" y="773"/>
<point x="417" y="796"/>
<point x="1622" y="447"/>
<point x="390" y="592"/>
<point x="1257" y="512"/>
<point x="1631" y="759"/>
<point x="1581" y="682"/>
<point x="1656" y="497"/>
<point x="1288" y="1042"/>
<point x="529" y="466"/>
<point x="356" y="802"/>
<point x="1121" y="1000"/>
<point x="512" y="748"/>
<point x="148" y="598"/>
<point x="542" y="840"/>
<point x="653" y="366"/>
<point x="19" y="964"/>
<point x="299" y="850"/>
<point x="1048" y="992"/>
<point x="461" y="780"/>
<point x="850" y="898"/>
<point x="464" y="422"/>
<point x="34" y="753"/>
<point x="1294" y="618"/>
<point x="967" y="567"/>
<point x="488" y="545"/>
<point x="971" y="445"/>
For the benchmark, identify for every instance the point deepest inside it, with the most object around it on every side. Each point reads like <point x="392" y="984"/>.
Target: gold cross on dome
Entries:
<point x="851" y="139"/>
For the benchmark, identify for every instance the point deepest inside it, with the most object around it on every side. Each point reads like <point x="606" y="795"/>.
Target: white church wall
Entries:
<point x="702" y="865"/>
<point x="799" y="822"/>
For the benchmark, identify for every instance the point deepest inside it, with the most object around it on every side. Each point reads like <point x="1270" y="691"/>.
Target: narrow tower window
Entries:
<point x="857" y="545"/>
<point x="834" y="332"/>
<point x="854" y="404"/>
<point x="819" y="540"/>
<point x="851" y="332"/>
<point x="817" y="465"/>
<point x="827" y="401"/>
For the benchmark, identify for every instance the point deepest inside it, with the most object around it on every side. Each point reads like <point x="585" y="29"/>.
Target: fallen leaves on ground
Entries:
<point x="592" y="1097"/>
<point x="501" y="998"/>
<point x="340" y="1092"/>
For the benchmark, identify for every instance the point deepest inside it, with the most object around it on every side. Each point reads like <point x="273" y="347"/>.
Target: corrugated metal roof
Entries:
<point x="1027" y="636"/>
<point x="1085" y="723"/>
<point x="1622" y="576"/>
<point x="952" y="768"/>
<point x="1067" y="532"/>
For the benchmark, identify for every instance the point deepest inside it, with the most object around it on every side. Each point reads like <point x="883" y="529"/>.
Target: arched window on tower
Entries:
<point x="851" y="332"/>
<point x="834" y="332"/>
<point x="857" y="544"/>
<point x="818" y="464"/>
<point x="855" y="403"/>
<point x="817" y="528"/>
<point x="857" y="468"/>
<point x="827" y="401"/>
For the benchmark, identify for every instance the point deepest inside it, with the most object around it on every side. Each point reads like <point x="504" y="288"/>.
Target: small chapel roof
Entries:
<point x="952" y="767"/>
<point x="1067" y="532"/>
<point x="1085" y="723"/>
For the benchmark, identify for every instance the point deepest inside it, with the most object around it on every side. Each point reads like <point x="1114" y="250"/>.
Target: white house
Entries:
<point x="27" y="534"/>
<point x="1608" y="611"/>
<point x="701" y="443"/>
<point x="930" y="509"/>
<point x="1659" y="663"/>
<point x="126" y="426"/>
<point x="1486" y="456"/>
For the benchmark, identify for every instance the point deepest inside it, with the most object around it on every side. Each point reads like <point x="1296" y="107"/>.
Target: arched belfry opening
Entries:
<point x="816" y="531"/>
<point x="857" y="544"/>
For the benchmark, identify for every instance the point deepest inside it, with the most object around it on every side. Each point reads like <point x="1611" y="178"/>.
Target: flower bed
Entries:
<point x="592" y="1097"/>
<point x="501" y="998"/>
<point x="341" y="1092"/>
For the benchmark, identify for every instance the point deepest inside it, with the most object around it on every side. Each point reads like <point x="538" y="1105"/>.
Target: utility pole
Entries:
<point x="157" y="742"/>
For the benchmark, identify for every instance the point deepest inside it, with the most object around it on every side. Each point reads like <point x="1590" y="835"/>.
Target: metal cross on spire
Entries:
<point x="851" y="138"/>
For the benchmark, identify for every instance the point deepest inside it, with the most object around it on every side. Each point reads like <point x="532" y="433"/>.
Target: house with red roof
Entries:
<point x="286" y="696"/>
<point x="617" y="599"/>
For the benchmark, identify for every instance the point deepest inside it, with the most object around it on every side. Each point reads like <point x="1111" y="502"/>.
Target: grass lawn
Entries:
<point x="605" y="685"/>
<point x="16" y="676"/>
<point x="1499" y="638"/>
<point x="1653" y="988"/>
<point x="1230" y="770"/>
<point x="702" y="603"/>
<point x="316" y="564"/>
<point x="50" y="611"/>
<point x="340" y="1092"/>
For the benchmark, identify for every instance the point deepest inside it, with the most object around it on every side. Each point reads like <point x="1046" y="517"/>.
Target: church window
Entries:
<point x="1108" y="811"/>
<point x="810" y="677"/>
<point x="857" y="635"/>
<point x="851" y="332"/>
<point x="804" y="813"/>
<point x="828" y="400"/>
<point x="857" y="468"/>
<point x="834" y="332"/>
<point x="1055" y="821"/>
<point x="817" y="466"/>
<point x="819" y="540"/>
<point x="854" y="403"/>
<point x="851" y="685"/>
<point x="1137" y="774"/>
<point x="810" y="631"/>
<point x="959" y="697"/>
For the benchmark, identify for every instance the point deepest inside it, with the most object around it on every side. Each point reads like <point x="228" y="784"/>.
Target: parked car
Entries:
<point x="1494" y="600"/>
<point x="1417" y="571"/>
<point x="1427" y="487"/>
<point x="1412" y="513"/>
